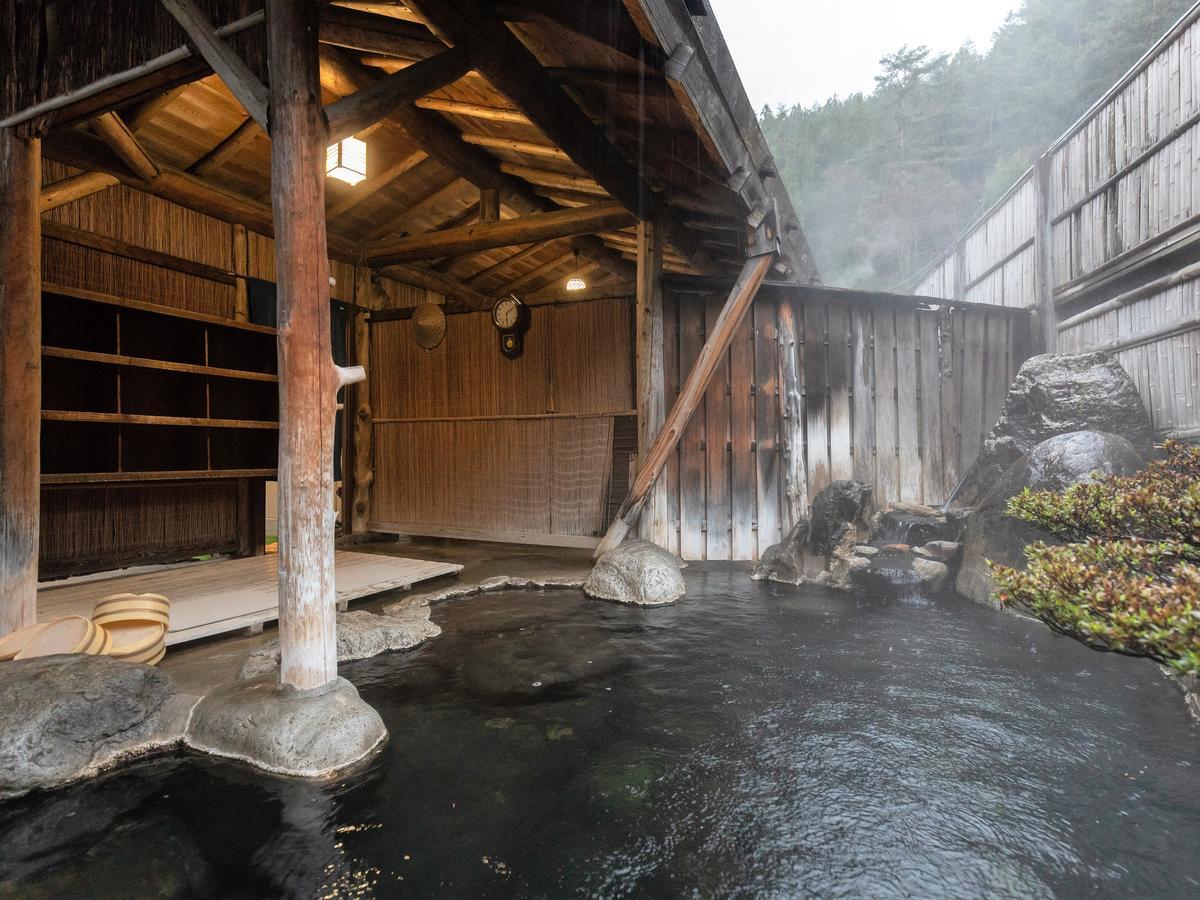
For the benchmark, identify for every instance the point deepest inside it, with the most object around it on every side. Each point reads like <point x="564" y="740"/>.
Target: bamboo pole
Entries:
<point x="20" y="378"/>
<point x="308" y="379"/>
<point x="691" y="394"/>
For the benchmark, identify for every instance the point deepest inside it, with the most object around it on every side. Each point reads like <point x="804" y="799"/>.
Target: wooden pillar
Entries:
<point x="489" y="205"/>
<point x="20" y="377"/>
<point x="308" y="379"/>
<point x="651" y="384"/>
<point x="362" y="462"/>
<point x="241" y="268"/>
<point x="1045" y="318"/>
<point x="795" y="483"/>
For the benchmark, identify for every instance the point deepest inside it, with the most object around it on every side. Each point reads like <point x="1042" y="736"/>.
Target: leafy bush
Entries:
<point x="1129" y="578"/>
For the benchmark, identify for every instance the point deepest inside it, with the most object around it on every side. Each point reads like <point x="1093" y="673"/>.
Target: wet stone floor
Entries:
<point x="752" y="741"/>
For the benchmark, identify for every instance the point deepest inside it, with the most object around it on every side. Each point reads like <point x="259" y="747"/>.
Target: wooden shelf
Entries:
<point x="63" y="415"/>
<point x="189" y="475"/>
<point x="142" y="362"/>
<point x="108" y="299"/>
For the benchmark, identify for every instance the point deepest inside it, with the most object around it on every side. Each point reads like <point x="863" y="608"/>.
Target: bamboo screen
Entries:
<point x="470" y="443"/>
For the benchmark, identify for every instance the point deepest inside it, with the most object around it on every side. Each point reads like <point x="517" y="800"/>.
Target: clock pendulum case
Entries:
<point x="511" y="318"/>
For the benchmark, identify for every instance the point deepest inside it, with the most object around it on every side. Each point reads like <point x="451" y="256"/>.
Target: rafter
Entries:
<point x="533" y="276"/>
<point x="73" y="188"/>
<point x="511" y="232"/>
<point x="428" y="131"/>
<point x="525" y="148"/>
<point x="364" y="190"/>
<point x="473" y="110"/>
<point x="229" y="147"/>
<point x="398" y="223"/>
<point x="113" y="131"/>
<point x="378" y="100"/>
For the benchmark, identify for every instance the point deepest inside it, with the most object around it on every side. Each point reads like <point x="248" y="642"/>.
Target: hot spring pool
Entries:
<point x="750" y="741"/>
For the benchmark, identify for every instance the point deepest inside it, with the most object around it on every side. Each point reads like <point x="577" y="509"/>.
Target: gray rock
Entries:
<point x="637" y="572"/>
<point x="784" y="562"/>
<point x="311" y="734"/>
<point x="940" y="551"/>
<point x="67" y="717"/>
<point x="933" y="574"/>
<point x="835" y="509"/>
<point x="1055" y="395"/>
<point x="488" y="585"/>
<point x="905" y="526"/>
<point x="1052" y="465"/>
<point x="866" y="550"/>
<point x="360" y="635"/>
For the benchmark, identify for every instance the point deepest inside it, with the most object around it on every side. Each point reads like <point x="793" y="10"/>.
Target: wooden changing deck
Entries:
<point x="210" y="598"/>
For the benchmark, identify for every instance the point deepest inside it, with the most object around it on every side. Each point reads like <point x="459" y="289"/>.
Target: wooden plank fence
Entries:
<point x="1112" y="206"/>
<point x="892" y="390"/>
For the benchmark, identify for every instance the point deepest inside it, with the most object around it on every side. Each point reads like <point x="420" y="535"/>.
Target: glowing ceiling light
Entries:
<point x="576" y="282"/>
<point x="347" y="160"/>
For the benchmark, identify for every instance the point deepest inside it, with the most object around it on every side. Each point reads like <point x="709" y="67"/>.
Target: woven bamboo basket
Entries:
<point x="68" y="634"/>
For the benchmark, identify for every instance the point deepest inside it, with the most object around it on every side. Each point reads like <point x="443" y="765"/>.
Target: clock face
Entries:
<point x="506" y="313"/>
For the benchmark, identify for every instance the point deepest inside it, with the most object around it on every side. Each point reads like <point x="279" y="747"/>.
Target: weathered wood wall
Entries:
<point x="890" y="393"/>
<point x="1113" y="204"/>
<point x="469" y="443"/>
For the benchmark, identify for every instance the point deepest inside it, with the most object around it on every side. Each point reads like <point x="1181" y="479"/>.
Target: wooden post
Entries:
<point x="651" y="384"/>
<point x="20" y="377"/>
<point x="362" y="467"/>
<point x="241" y="268"/>
<point x="691" y="395"/>
<point x="1044" y="334"/>
<point x="308" y="379"/>
<point x="489" y="205"/>
<point x="795" y="481"/>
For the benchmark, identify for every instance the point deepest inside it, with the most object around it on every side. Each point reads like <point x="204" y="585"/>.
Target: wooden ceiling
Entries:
<point x="614" y="131"/>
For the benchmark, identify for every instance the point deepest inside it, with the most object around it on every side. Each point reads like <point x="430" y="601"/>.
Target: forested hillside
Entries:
<point x="885" y="181"/>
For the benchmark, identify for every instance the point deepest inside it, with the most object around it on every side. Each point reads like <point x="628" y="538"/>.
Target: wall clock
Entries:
<point x="511" y="318"/>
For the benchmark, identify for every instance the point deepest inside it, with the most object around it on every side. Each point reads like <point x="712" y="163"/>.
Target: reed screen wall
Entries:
<point x="471" y="444"/>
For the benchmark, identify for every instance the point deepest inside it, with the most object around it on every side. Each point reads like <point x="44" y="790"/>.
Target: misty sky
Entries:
<point x="805" y="51"/>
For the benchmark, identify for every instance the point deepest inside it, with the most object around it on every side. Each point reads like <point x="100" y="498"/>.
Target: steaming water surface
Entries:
<point x="750" y="741"/>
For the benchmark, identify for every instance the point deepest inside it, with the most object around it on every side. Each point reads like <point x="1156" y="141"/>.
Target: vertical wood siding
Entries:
<point x="894" y="394"/>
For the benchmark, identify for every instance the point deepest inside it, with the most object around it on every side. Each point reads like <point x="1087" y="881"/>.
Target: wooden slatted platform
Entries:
<point x="226" y="595"/>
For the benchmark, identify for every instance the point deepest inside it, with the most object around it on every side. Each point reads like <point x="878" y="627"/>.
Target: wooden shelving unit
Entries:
<point x="136" y="392"/>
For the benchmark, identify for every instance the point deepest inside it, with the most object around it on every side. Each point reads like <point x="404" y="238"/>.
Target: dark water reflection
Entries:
<point x="751" y="741"/>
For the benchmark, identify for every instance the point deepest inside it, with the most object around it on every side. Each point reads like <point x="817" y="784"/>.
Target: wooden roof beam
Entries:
<point x="603" y="21"/>
<point x="120" y="139"/>
<point x="430" y="132"/>
<point x="437" y="282"/>
<point x="508" y="233"/>
<point x="516" y="72"/>
<point x="379" y="99"/>
<point x="524" y="148"/>
<point x="438" y="195"/>
<point x="491" y="271"/>
<point x="533" y="276"/>
<point x="72" y="188"/>
<point x="473" y="110"/>
<point x="367" y="33"/>
<point x="231" y="68"/>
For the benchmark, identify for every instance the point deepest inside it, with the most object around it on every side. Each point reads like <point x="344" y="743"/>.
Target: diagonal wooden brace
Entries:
<point x="690" y="395"/>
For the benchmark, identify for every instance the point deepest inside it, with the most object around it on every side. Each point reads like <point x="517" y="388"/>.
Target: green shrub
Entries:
<point x="1129" y="577"/>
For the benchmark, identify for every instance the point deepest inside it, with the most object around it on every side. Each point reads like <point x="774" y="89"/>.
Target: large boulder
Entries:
<point x="784" y="562"/>
<point x="360" y="634"/>
<point x="840" y="506"/>
<point x="638" y="573"/>
<point x="67" y="717"/>
<point x="819" y="549"/>
<point x="310" y="734"/>
<point x="1052" y="465"/>
<point x="1055" y="395"/>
